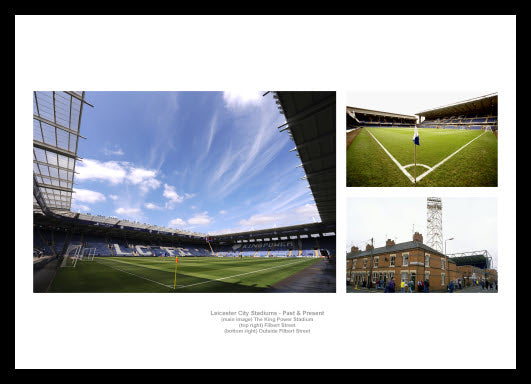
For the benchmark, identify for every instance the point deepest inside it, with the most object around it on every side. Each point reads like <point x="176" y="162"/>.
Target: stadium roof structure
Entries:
<point x="353" y="110"/>
<point x="293" y="230"/>
<point x="311" y="123"/>
<point x="480" y="259"/>
<point x="484" y="105"/>
<point x="95" y="224"/>
<point x="56" y="125"/>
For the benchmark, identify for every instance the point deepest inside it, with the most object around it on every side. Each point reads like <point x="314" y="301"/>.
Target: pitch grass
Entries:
<point x="194" y="274"/>
<point x="474" y="166"/>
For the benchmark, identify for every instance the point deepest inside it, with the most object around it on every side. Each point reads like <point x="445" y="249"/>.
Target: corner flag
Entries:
<point x="416" y="139"/>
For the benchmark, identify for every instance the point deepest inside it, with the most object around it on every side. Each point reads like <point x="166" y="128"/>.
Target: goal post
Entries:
<point x="88" y="254"/>
<point x="72" y="255"/>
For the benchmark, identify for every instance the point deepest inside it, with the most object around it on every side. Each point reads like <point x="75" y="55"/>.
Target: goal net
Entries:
<point x="72" y="255"/>
<point x="76" y="253"/>
<point x="88" y="254"/>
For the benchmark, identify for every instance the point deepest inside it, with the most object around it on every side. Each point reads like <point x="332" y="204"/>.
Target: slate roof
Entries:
<point x="393" y="248"/>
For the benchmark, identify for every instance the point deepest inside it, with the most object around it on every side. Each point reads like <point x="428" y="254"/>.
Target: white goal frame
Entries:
<point x="78" y="254"/>
<point x="88" y="254"/>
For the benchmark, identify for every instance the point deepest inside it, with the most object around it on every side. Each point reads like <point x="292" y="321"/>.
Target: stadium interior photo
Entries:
<point x="76" y="251"/>
<point x="458" y="146"/>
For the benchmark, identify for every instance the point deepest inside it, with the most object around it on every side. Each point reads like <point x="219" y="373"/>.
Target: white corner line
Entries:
<point x="420" y="165"/>
<point x="403" y="169"/>
<point x="436" y="165"/>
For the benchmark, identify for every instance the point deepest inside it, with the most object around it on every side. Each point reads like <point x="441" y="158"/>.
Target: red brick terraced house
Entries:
<point x="412" y="260"/>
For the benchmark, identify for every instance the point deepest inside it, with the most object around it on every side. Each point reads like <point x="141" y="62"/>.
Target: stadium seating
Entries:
<point x="328" y="243"/>
<point x="40" y="244"/>
<point x="59" y="239"/>
<point x="102" y="249"/>
<point x="45" y="241"/>
<point x="461" y="122"/>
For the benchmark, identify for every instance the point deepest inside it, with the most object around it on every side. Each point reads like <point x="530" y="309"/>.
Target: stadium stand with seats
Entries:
<point x="475" y="114"/>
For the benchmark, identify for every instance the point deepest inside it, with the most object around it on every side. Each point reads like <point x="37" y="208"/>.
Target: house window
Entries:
<point x="376" y="262"/>
<point x="442" y="264"/>
<point x="405" y="259"/>
<point x="427" y="260"/>
<point x="403" y="276"/>
<point x="443" y="277"/>
<point x="392" y="261"/>
<point x="364" y="263"/>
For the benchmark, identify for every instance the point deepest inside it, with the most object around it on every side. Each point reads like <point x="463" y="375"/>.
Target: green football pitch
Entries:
<point x="445" y="158"/>
<point x="194" y="274"/>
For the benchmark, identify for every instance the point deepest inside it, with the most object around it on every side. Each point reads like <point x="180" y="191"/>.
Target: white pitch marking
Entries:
<point x="403" y="168"/>
<point x="139" y="265"/>
<point x="395" y="160"/>
<point x="436" y="165"/>
<point x="422" y="165"/>
<point x="141" y="277"/>
<point x="241" y="274"/>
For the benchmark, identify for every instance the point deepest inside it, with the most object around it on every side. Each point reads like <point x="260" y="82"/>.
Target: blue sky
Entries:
<point x="210" y="162"/>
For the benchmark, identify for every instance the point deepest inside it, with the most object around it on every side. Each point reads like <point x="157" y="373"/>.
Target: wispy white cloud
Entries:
<point x="128" y="211"/>
<point x="176" y="223"/>
<point x="160" y="116"/>
<point x="152" y="206"/>
<point x="200" y="219"/>
<point x="113" y="197"/>
<point x="173" y="197"/>
<point x="115" y="151"/>
<point x="242" y="99"/>
<point x="306" y="213"/>
<point x="222" y="212"/>
<point x="112" y="172"/>
<point x="144" y="178"/>
<point x="117" y="172"/>
<point x="256" y="143"/>
<point x="87" y="196"/>
<point x="261" y="219"/>
<point x="79" y="207"/>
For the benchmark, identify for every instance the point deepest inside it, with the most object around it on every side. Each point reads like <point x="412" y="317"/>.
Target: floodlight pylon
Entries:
<point x="434" y="223"/>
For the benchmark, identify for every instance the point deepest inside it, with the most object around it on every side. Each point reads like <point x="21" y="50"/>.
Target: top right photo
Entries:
<point x="422" y="139"/>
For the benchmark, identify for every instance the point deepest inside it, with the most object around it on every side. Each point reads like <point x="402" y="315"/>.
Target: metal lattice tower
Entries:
<point x="434" y="223"/>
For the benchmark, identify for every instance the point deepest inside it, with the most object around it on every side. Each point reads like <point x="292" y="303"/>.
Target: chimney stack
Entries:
<point x="369" y="247"/>
<point x="417" y="237"/>
<point x="389" y="243"/>
<point x="354" y="249"/>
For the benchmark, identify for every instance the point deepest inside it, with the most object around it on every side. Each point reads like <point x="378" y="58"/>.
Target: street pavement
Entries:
<point x="351" y="289"/>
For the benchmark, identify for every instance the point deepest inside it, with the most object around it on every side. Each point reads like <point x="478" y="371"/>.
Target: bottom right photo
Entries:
<point x="422" y="245"/>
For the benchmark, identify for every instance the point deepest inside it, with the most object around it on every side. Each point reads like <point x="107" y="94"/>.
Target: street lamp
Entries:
<point x="446" y="257"/>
